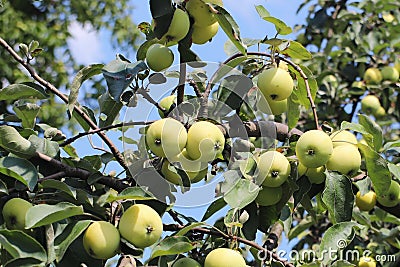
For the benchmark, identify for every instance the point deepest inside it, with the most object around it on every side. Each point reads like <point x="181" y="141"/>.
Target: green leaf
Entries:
<point x="58" y="185"/>
<point x="304" y="186"/>
<point x="280" y="26"/>
<point x="45" y="146"/>
<point x="133" y="193"/>
<point x="25" y="262"/>
<point x="214" y="207"/>
<point x="394" y="169"/>
<point x="293" y="113"/>
<point x="172" y="246"/>
<point x="69" y="234"/>
<point x="301" y="91"/>
<point x="23" y="91"/>
<point x="302" y="226"/>
<point x="82" y="75"/>
<point x="297" y="50"/>
<point x="377" y="169"/>
<point x="354" y="127"/>
<point x="373" y="128"/>
<point x="21" y="245"/>
<point x="85" y="125"/>
<point x="338" y="197"/>
<point x="27" y="114"/>
<point x="109" y="108"/>
<point x="44" y="214"/>
<point x="189" y="227"/>
<point x="141" y="52"/>
<point x="12" y="141"/>
<point x="342" y="263"/>
<point x="20" y="169"/>
<point x="336" y="238"/>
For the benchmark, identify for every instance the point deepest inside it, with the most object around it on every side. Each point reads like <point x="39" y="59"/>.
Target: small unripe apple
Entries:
<point x="372" y="76"/>
<point x="340" y="138"/>
<point x="366" y="202"/>
<point x="203" y="34"/>
<point x="140" y="225"/>
<point x="101" y="240"/>
<point x="391" y="197"/>
<point x="366" y="262"/>
<point x="205" y="141"/>
<point x="269" y="196"/>
<point x="314" y="148"/>
<point x="358" y="84"/>
<point x="178" y="28"/>
<point x="390" y="73"/>
<point x="269" y="106"/>
<point x="370" y="104"/>
<point x="275" y="83"/>
<point x="274" y="169"/>
<point x="379" y="113"/>
<point x="224" y="257"/>
<point x="283" y="65"/>
<point x="345" y="159"/>
<point x="159" y="57"/>
<point x="201" y="12"/>
<point x="186" y="262"/>
<point x="166" y="104"/>
<point x="166" y="137"/>
<point x="314" y="175"/>
<point x="14" y="212"/>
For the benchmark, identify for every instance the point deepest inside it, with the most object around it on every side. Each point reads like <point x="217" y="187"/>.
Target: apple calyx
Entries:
<point x="149" y="229"/>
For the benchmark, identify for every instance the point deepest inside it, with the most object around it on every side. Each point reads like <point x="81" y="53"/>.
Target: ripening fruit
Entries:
<point x="390" y="73"/>
<point x="274" y="169"/>
<point x="269" y="106"/>
<point x="178" y="28"/>
<point x="203" y="34"/>
<point x="159" y="57"/>
<point x="372" y="76"/>
<point x="358" y="84"/>
<point x="186" y="262"/>
<point x="340" y="138"/>
<point x="201" y="12"/>
<point x="140" y="225"/>
<point x="224" y="257"/>
<point x="366" y="202"/>
<point x="166" y="103"/>
<point x="101" y="240"/>
<point x="14" y="212"/>
<point x="370" y="104"/>
<point x="205" y="141"/>
<point x="379" y="113"/>
<point x="314" y="148"/>
<point x="314" y="175"/>
<point x="166" y="137"/>
<point x="391" y="197"/>
<point x="366" y="262"/>
<point x="345" y="159"/>
<point x="275" y="83"/>
<point x="269" y="196"/>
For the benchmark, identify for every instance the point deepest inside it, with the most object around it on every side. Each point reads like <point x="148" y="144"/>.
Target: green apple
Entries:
<point x="397" y="66"/>
<point x="14" y="212"/>
<point x="314" y="175"/>
<point x="269" y="196"/>
<point x="366" y="262"/>
<point x="372" y="76"/>
<point x="314" y="148"/>
<point x="166" y="137"/>
<point x="205" y="141"/>
<point x="379" y="113"/>
<point x="390" y="73"/>
<point x="178" y="28"/>
<point x="101" y="240"/>
<point x="268" y="106"/>
<point x="358" y="84"/>
<point x="340" y="138"/>
<point x="370" y="104"/>
<point x="159" y="57"/>
<point x="283" y="65"/>
<point x="140" y="225"/>
<point x="203" y="34"/>
<point x="201" y="12"/>
<point x="224" y="257"/>
<point x="366" y="202"/>
<point x="345" y="159"/>
<point x="273" y="169"/>
<point x="391" y="197"/>
<point x="166" y="104"/>
<point x="186" y="262"/>
<point x="275" y="83"/>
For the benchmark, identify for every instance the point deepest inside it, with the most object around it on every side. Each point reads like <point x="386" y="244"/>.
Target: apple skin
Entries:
<point x="340" y="138"/>
<point x="14" y="212"/>
<point x="269" y="196"/>
<point x="140" y="225"/>
<point x="178" y="28"/>
<point x="358" y="84"/>
<point x="205" y="141"/>
<point x="101" y="240"/>
<point x="314" y="175"/>
<point x="186" y="262"/>
<point x="166" y="137"/>
<point x="372" y="76"/>
<point x="391" y="197"/>
<point x="166" y="103"/>
<point x="159" y="57"/>
<point x="201" y="13"/>
<point x="345" y="159"/>
<point x="275" y="83"/>
<point x="268" y="106"/>
<point x="314" y="148"/>
<point x="390" y="73"/>
<point x="379" y="113"/>
<point x="370" y="104"/>
<point x="366" y="262"/>
<point x="202" y="35"/>
<point x="274" y="169"/>
<point x="224" y="257"/>
<point x="366" y="202"/>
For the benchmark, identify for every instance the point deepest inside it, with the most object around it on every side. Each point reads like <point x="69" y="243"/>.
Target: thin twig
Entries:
<point x="196" y="89"/>
<point x="148" y="97"/>
<point x="181" y="85"/>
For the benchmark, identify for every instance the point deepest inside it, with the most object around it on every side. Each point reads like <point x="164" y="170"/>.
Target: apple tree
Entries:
<point x="297" y="139"/>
